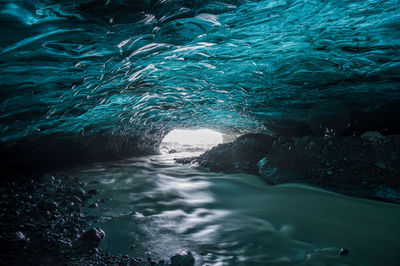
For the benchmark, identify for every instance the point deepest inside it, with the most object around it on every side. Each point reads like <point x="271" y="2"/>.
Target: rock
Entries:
<point x="239" y="156"/>
<point x="79" y="192"/>
<point x="344" y="251"/>
<point x="183" y="258"/>
<point x="262" y="164"/>
<point x="65" y="243"/>
<point x="93" y="205"/>
<point x="19" y="236"/>
<point x="388" y="193"/>
<point x="93" y="192"/>
<point x="48" y="206"/>
<point x="372" y="136"/>
<point x="380" y="165"/>
<point x="95" y="250"/>
<point x="172" y="151"/>
<point x="76" y="199"/>
<point x="93" y="236"/>
<point x="186" y="160"/>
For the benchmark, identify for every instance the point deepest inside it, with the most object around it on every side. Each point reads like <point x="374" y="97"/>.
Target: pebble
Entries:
<point x="380" y="165"/>
<point x="52" y="206"/>
<point x="79" y="192"/>
<point x="93" y="205"/>
<point x="76" y="199"/>
<point x="20" y="236"/>
<point x="344" y="251"/>
<point x="93" y="192"/>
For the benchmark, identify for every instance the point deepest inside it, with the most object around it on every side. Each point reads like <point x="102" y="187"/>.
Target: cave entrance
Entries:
<point x="188" y="140"/>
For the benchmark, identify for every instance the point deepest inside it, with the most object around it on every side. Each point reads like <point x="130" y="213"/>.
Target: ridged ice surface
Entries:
<point x="143" y="67"/>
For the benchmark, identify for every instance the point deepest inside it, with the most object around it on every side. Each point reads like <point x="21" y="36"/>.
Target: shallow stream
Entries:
<point x="154" y="205"/>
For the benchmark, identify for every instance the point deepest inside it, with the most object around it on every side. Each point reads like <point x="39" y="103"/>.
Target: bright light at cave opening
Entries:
<point x="179" y="140"/>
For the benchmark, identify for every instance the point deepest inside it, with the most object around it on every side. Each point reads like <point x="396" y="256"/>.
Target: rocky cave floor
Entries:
<point x="42" y="220"/>
<point x="42" y="223"/>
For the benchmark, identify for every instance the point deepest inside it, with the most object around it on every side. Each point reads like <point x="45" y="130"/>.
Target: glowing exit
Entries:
<point x="190" y="140"/>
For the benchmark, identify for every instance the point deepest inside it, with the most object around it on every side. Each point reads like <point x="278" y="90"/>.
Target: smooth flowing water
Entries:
<point x="154" y="205"/>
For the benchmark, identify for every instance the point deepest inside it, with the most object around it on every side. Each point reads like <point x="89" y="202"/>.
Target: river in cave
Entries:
<point x="154" y="205"/>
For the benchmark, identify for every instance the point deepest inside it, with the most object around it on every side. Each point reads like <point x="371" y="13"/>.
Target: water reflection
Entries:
<point x="157" y="206"/>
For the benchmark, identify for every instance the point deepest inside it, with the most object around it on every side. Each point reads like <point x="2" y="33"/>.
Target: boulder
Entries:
<point x="93" y="236"/>
<point x="183" y="258"/>
<point x="372" y="136"/>
<point x="239" y="156"/>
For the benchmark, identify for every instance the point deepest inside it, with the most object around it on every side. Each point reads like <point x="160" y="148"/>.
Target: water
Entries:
<point x="160" y="207"/>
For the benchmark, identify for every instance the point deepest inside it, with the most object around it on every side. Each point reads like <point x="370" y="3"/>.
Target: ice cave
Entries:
<point x="199" y="132"/>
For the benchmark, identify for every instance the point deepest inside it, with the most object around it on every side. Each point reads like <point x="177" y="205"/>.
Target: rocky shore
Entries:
<point x="42" y="222"/>
<point x="366" y="166"/>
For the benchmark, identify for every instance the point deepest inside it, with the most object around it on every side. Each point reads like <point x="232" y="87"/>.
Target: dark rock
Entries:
<point x="95" y="250"/>
<point x="372" y="136"/>
<point x="76" y="199"/>
<point x="93" y="236"/>
<point x="242" y="155"/>
<point x="93" y="205"/>
<point x="172" y="151"/>
<point x="65" y="243"/>
<point x="380" y="165"/>
<point x="344" y="251"/>
<point x="93" y="192"/>
<point x="388" y="193"/>
<point x="183" y="258"/>
<point x="79" y="192"/>
<point x="186" y="160"/>
<point x="48" y="206"/>
<point x="19" y="236"/>
<point x="104" y="200"/>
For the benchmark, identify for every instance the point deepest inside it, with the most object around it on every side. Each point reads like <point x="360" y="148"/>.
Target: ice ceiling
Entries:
<point x="119" y="75"/>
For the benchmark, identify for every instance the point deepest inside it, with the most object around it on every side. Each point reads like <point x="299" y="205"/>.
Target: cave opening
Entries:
<point x="190" y="140"/>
